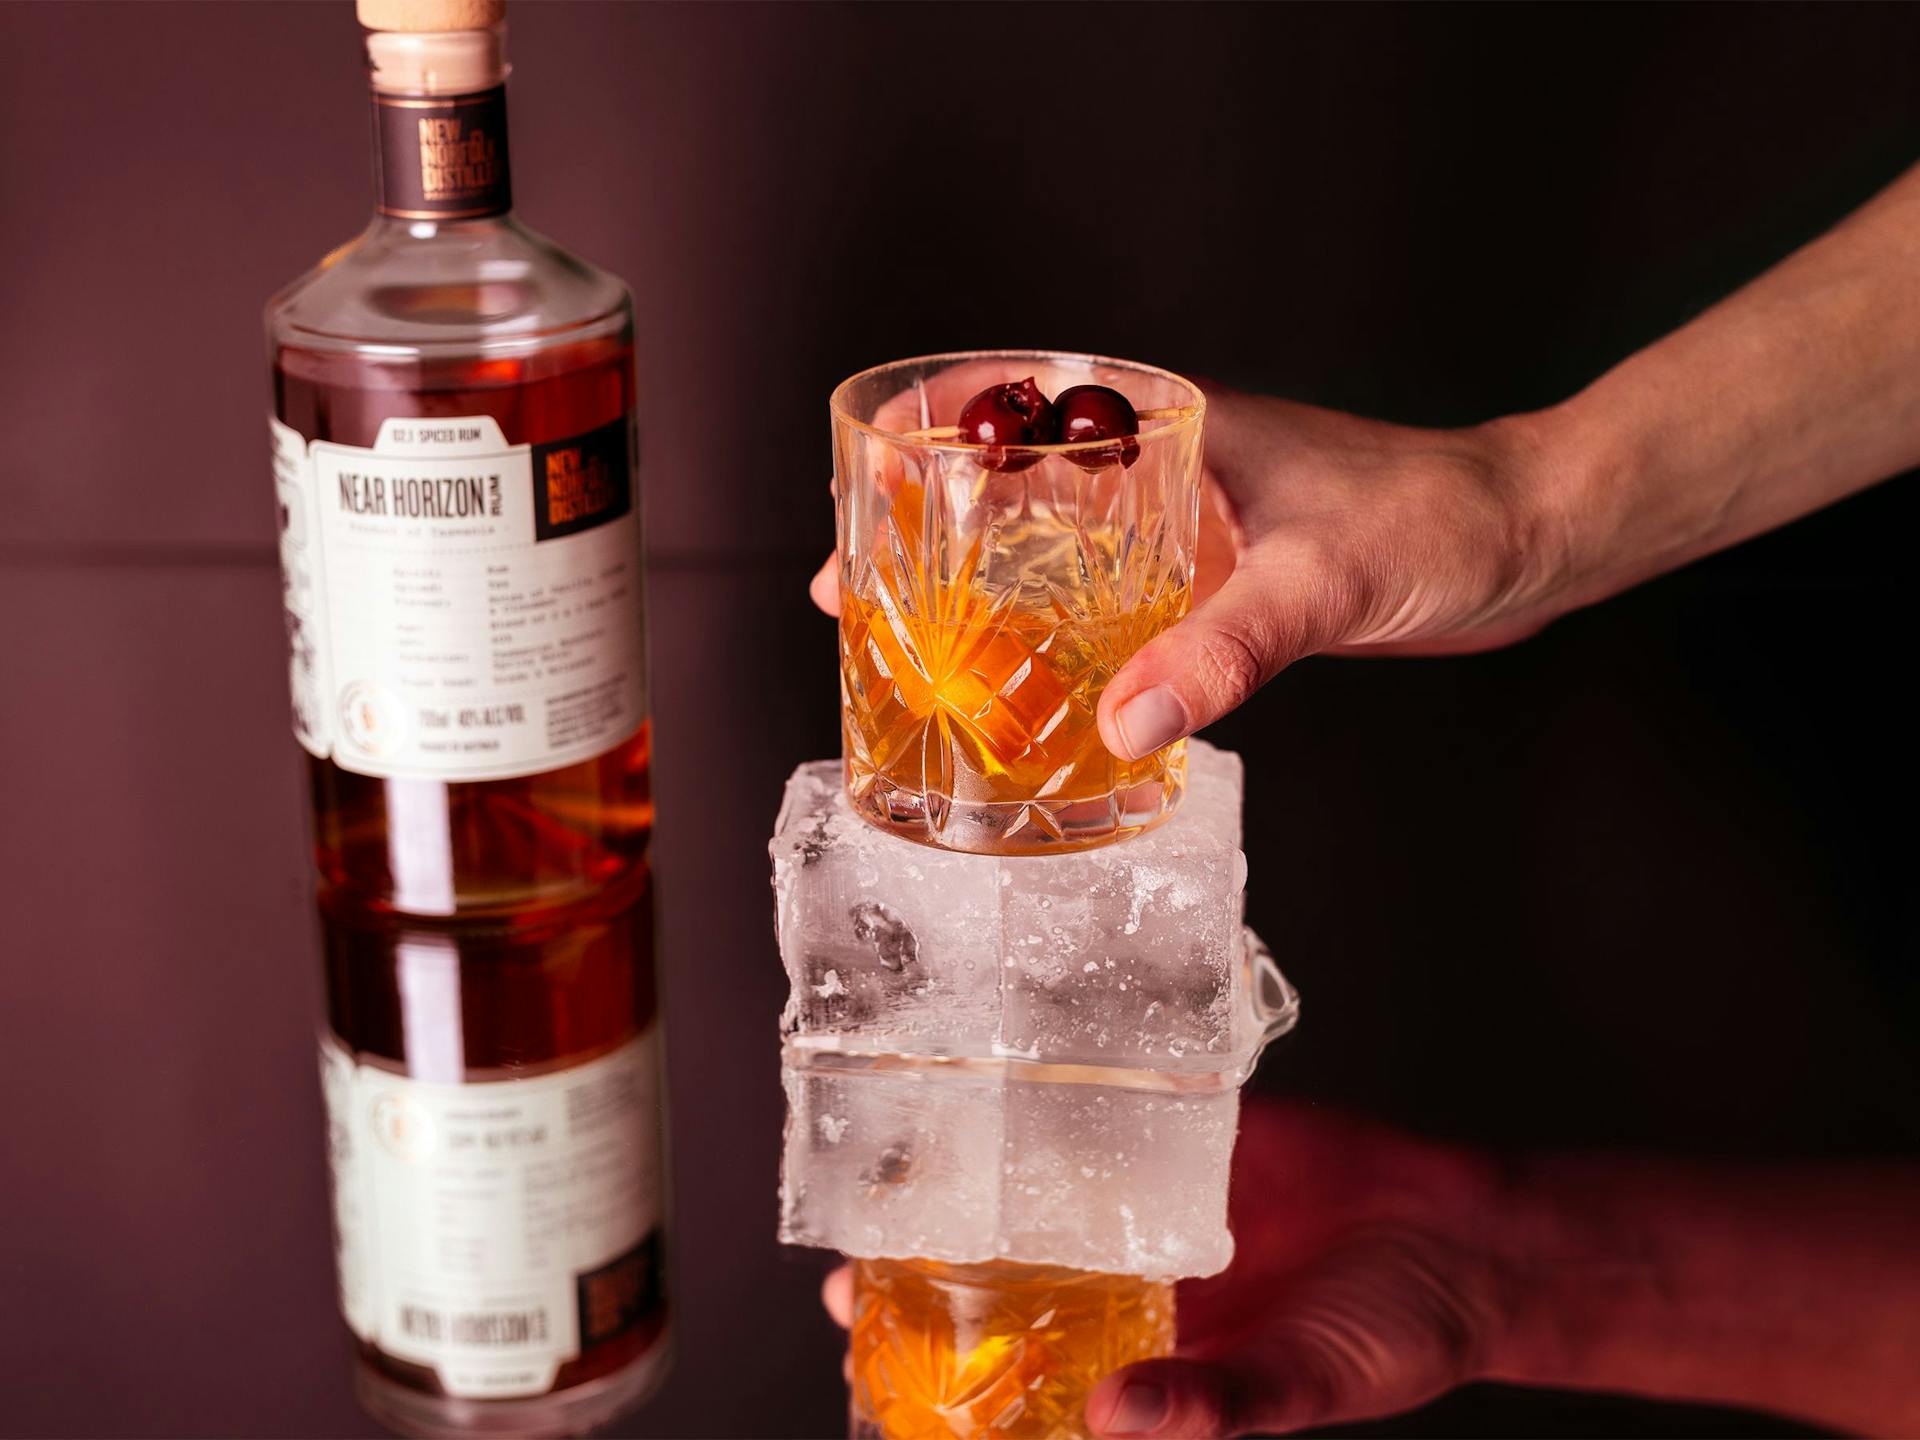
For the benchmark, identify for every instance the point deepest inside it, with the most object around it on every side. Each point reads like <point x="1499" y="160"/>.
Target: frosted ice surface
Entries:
<point x="874" y="929"/>
<point x="1126" y="954"/>
<point x="964" y="1163"/>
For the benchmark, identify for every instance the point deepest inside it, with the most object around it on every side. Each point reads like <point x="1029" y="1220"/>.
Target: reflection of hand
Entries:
<point x="1363" y="1283"/>
<point x="1358" y="1287"/>
<point x="1373" y="1271"/>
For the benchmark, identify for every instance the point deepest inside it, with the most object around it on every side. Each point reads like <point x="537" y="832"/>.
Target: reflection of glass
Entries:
<point x="1001" y="1350"/>
<point x="496" y="1145"/>
<point x="984" y="610"/>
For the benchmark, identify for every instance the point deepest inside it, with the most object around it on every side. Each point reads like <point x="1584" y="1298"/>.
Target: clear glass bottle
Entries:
<point x="464" y="598"/>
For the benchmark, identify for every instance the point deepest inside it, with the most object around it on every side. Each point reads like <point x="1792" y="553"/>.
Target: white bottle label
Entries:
<point x="490" y="1230"/>
<point x="459" y="608"/>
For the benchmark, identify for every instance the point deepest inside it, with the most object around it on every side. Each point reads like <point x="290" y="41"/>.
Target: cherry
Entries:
<point x="1002" y="416"/>
<point x="1093" y="412"/>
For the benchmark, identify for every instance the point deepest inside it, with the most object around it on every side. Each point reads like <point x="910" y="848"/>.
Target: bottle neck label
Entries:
<point x="442" y="157"/>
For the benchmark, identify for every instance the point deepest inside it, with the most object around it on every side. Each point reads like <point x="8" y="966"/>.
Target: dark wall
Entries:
<point x="1644" y="880"/>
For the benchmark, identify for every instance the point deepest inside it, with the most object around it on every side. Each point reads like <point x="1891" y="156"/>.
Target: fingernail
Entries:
<point x="1140" y="1410"/>
<point x="1149" y="720"/>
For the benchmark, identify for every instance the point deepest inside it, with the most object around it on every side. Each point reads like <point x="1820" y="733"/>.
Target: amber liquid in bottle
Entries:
<point x="512" y="844"/>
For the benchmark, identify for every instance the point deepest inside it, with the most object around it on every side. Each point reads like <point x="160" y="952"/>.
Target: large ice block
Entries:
<point x="1122" y="955"/>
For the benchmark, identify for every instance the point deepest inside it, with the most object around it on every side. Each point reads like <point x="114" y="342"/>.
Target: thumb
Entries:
<point x="1277" y="607"/>
<point x="1163" y="1400"/>
<point x="1191" y="1400"/>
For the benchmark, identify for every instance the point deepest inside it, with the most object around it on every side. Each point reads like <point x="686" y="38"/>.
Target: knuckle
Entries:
<point x="1204" y="1406"/>
<point x="1323" y="1359"/>
<point x="1349" y="574"/>
<point x="1344" y="579"/>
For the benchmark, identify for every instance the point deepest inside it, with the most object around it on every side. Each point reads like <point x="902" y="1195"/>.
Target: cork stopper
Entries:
<point x="435" y="47"/>
<point x="419" y="17"/>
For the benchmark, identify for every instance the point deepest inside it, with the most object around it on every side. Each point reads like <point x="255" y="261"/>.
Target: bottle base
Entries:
<point x="576" y="1410"/>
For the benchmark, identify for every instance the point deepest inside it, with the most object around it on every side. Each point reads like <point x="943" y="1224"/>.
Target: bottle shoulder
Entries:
<point x="403" y="287"/>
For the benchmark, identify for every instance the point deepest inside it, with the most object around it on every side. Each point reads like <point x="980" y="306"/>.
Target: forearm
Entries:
<point x="1797" y="390"/>
<point x="1788" y="1289"/>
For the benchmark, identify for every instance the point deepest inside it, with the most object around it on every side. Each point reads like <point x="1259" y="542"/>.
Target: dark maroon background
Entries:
<point x="1645" y="880"/>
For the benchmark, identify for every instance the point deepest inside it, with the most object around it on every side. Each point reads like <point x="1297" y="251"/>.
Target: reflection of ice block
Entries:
<point x="1116" y="1167"/>
<point x="969" y="1160"/>
<point x="1122" y="955"/>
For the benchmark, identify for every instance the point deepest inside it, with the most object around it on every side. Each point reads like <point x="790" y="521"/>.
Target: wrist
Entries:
<point x="1785" y="1288"/>
<point x="1600" y="1292"/>
<point x="1491" y="1226"/>
<point x="1568" y="472"/>
<point x="1535" y="1247"/>
<point x="1628" y="481"/>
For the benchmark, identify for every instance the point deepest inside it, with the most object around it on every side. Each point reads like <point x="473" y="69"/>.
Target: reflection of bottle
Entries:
<point x="494" y="1106"/>
<point x="1004" y="1350"/>
<point x="459" y="523"/>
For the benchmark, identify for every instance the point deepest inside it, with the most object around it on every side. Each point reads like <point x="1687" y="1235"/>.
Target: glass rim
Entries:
<point x="1176" y="425"/>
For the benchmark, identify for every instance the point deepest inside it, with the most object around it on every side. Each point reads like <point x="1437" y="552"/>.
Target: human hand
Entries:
<point x="1341" y="534"/>
<point x="1363" y="1284"/>
<point x="1360" y="1286"/>
<point x="1323" y="531"/>
<point x="1349" y="536"/>
<point x="1373" y="1272"/>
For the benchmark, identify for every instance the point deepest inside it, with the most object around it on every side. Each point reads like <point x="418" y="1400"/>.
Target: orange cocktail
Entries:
<point x="990" y="592"/>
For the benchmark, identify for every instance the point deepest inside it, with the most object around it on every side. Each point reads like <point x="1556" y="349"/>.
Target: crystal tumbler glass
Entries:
<point x="989" y="593"/>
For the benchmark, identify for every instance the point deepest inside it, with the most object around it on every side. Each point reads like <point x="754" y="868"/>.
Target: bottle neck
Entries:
<point x="440" y="125"/>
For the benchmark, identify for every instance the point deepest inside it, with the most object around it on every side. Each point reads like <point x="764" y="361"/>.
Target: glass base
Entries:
<point x="576" y="1410"/>
<point x="1015" y="827"/>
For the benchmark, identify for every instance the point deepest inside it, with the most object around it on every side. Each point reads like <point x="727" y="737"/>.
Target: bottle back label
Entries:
<point x="442" y="157"/>
<point x="459" y="608"/>
<point x="492" y="1232"/>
